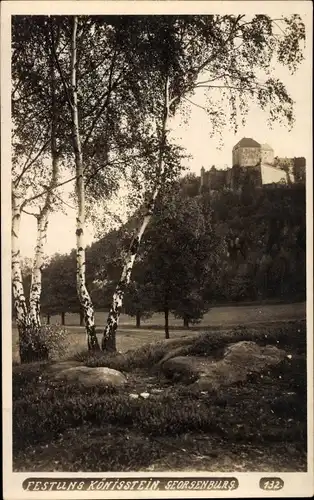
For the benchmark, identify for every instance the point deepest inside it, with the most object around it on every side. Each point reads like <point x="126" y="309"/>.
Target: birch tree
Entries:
<point x="102" y="95"/>
<point x="89" y="104"/>
<point x="82" y="291"/>
<point x="35" y="159"/>
<point x="108" y="341"/>
<point x="230" y="58"/>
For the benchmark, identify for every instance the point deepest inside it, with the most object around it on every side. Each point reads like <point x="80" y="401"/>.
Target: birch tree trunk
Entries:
<point x="83" y="295"/>
<point x="35" y="290"/>
<point x="22" y="319"/>
<point x="17" y="281"/>
<point x="42" y="219"/>
<point x="31" y="347"/>
<point x="109" y="335"/>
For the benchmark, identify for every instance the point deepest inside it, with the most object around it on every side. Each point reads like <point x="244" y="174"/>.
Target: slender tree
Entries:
<point x="108" y="341"/>
<point x="182" y="263"/>
<point x="84" y="297"/>
<point x="42" y="217"/>
<point x="34" y="147"/>
<point x="103" y="117"/>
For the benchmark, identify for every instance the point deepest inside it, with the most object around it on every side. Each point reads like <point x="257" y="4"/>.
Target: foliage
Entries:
<point x="178" y="265"/>
<point x="139" y="298"/>
<point x="59" y="285"/>
<point x="265" y="244"/>
<point x="54" y="339"/>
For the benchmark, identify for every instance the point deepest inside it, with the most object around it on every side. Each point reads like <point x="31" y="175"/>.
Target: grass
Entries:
<point x="284" y="335"/>
<point x="129" y="337"/>
<point x="218" y="315"/>
<point x="257" y="425"/>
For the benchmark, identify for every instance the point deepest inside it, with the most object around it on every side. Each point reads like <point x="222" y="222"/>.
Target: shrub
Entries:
<point x="55" y="339"/>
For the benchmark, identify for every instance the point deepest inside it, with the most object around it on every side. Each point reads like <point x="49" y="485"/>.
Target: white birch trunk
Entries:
<point x="42" y="219"/>
<point x="35" y="290"/>
<point x="30" y="346"/>
<point x="17" y="281"/>
<point x="83" y="295"/>
<point x="109" y="335"/>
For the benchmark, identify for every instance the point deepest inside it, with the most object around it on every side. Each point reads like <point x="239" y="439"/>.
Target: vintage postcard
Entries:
<point x="157" y="249"/>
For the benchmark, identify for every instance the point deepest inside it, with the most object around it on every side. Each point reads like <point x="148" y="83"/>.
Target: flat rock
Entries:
<point x="237" y="362"/>
<point x="92" y="377"/>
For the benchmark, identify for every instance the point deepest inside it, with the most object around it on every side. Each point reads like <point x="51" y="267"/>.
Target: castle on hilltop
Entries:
<point x="254" y="165"/>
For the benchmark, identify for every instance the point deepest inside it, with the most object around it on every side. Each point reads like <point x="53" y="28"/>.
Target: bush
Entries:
<point x="55" y="339"/>
<point x="51" y="339"/>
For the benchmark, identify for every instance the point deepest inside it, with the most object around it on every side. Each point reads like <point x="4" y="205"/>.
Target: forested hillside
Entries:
<point x="215" y="248"/>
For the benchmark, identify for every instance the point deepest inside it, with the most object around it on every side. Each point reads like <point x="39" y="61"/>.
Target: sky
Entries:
<point x="205" y="151"/>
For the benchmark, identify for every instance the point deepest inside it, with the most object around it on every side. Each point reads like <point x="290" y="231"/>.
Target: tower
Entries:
<point x="246" y="153"/>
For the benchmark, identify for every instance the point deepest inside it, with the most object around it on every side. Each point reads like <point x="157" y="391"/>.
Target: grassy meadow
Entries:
<point x="130" y="337"/>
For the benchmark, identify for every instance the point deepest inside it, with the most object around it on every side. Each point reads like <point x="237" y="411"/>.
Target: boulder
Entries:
<point x="186" y="368"/>
<point x="92" y="377"/>
<point x="238" y="361"/>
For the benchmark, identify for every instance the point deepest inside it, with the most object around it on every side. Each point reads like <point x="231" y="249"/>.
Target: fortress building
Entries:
<point x="249" y="153"/>
<point x="254" y="165"/>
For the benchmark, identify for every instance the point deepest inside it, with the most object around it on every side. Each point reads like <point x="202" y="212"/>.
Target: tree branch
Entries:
<point x="111" y="87"/>
<point x="28" y="165"/>
<point x="29" y="213"/>
<point x="64" y="202"/>
<point x="195" y="104"/>
<point x="274" y="22"/>
<point x="211" y="80"/>
<point x="213" y="56"/>
<point x="64" y="83"/>
<point x="42" y="193"/>
<point x="233" y="87"/>
<point x="16" y="87"/>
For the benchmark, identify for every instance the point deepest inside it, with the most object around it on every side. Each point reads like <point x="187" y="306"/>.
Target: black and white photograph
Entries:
<point x="157" y="249"/>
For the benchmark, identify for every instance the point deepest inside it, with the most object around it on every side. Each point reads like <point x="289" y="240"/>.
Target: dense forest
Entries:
<point x="218" y="247"/>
